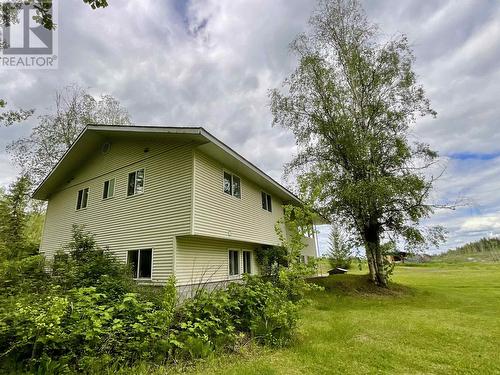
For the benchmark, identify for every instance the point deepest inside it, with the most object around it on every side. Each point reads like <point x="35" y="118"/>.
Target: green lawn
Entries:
<point x="438" y="319"/>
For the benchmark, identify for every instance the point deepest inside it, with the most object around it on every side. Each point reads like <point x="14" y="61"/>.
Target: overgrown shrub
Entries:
<point x="84" y="264"/>
<point x="88" y="313"/>
<point x="206" y="323"/>
<point x="26" y="275"/>
<point x="271" y="259"/>
<point x="264" y="311"/>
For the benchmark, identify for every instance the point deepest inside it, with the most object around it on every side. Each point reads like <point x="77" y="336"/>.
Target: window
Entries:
<point x="109" y="189"/>
<point x="141" y="261"/>
<point x="234" y="263"/>
<point x="266" y="202"/>
<point x="232" y="185"/>
<point x="302" y="259"/>
<point x="135" y="183"/>
<point x="83" y="197"/>
<point x="247" y="262"/>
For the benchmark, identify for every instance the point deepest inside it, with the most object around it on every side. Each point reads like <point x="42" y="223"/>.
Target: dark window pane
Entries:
<point x="269" y="206"/>
<point x="131" y="184"/>
<point x="264" y="201"/>
<point x="145" y="263"/>
<point x="227" y="183"/>
<point x="236" y="187"/>
<point x="79" y="200"/>
<point x="85" y="197"/>
<point x="139" y="181"/>
<point x="133" y="259"/>
<point x="105" y="190"/>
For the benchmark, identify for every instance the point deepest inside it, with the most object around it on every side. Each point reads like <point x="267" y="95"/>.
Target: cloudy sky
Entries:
<point x="211" y="63"/>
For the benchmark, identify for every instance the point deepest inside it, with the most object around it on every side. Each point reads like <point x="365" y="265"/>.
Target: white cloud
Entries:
<point x="482" y="224"/>
<point x="211" y="63"/>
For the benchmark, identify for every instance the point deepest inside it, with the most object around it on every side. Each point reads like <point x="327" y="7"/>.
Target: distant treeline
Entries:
<point x="481" y="246"/>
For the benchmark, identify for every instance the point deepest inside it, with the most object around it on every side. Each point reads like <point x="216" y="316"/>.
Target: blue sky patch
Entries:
<point x="474" y="155"/>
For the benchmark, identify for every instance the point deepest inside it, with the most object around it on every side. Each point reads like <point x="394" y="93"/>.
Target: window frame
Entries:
<point x="79" y="200"/>
<point x="104" y="190"/>
<point x="249" y="253"/>
<point x="139" y="262"/>
<point x="233" y="175"/>
<point x="268" y="201"/>
<point x="237" y="252"/>
<point x="135" y="182"/>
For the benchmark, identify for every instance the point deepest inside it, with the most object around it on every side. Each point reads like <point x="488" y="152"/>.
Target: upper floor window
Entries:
<point x="141" y="262"/>
<point x="83" y="197"/>
<point x="109" y="189"/>
<point x="135" y="182"/>
<point x="267" y="202"/>
<point x="232" y="185"/>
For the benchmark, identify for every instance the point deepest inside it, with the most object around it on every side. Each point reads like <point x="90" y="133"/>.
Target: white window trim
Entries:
<point x="232" y="175"/>
<point x="238" y="275"/>
<point x="88" y="195"/>
<point x="143" y="185"/>
<point x="114" y="188"/>
<point x="139" y="261"/>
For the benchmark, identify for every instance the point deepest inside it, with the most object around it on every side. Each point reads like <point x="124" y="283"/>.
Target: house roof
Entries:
<point x="93" y="136"/>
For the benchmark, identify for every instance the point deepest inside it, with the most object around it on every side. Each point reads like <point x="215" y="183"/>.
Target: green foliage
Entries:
<point x="339" y="251"/>
<point x="26" y="275"/>
<point x="264" y="311"/>
<point x="75" y="108"/>
<point x="84" y="264"/>
<point x="483" y="245"/>
<point x="206" y="323"/>
<point x="88" y="314"/>
<point x="484" y="250"/>
<point x="10" y="117"/>
<point x="281" y="264"/>
<point x="13" y="221"/>
<point x="43" y="12"/>
<point x="350" y="104"/>
<point x="437" y="319"/>
<point x="271" y="259"/>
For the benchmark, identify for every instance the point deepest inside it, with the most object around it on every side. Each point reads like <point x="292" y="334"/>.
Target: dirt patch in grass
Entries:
<point x="358" y="285"/>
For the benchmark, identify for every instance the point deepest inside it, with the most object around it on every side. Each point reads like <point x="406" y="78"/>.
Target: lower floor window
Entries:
<point x="234" y="263"/>
<point x="141" y="262"/>
<point x="247" y="262"/>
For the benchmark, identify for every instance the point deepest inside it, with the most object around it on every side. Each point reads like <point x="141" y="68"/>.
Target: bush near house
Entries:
<point x="87" y="314"/>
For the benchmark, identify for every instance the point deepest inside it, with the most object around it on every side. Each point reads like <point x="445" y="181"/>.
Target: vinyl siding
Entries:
<point x="203" y="260"/>
<point x="122" y="223"/>
<point x="310" y="248"/>
<point x="217" y="214"/>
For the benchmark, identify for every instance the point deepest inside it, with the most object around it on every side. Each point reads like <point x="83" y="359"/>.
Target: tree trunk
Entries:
<point x="374" y="255"/>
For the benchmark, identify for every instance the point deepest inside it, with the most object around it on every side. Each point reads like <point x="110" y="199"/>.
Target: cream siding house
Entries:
<point x="171" y="201"/>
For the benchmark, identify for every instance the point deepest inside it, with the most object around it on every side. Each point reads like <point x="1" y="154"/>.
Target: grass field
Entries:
<point x="437" y="319"/>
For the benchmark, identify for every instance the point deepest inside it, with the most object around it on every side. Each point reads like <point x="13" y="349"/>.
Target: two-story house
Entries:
<point x="168" y="200"/>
